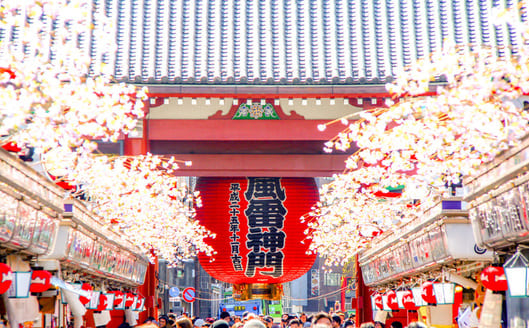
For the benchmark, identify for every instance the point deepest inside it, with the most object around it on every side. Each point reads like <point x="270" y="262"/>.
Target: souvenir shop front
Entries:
<point x="58" y="265"/>
<point x="100" y="271"/>
<point x="498" y="208"/>
<point x="427" y="269"/>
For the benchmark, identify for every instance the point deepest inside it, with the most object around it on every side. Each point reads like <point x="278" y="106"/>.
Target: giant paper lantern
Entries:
<point x="259" y="234"/>
<point x="40" y="281"/>
<point x="493" y="278"/>
<point x="428" y="294"/>
<point x="6" y="277"/>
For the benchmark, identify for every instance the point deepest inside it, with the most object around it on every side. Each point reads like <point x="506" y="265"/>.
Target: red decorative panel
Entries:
<point x="260" y="236"/>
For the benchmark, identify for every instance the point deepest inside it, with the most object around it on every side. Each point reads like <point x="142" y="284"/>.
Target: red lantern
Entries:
<point x="103" y="304"/>
<point x="40" y="281"/>
<point x="408" y="301"/>
<point x="86" y="287"/>
<point x="392" y="300"/>
<point x="378" y="301"/>
<point x="259" y="235"/>
<point x="427" y="293"/>
<point x="139" y="302"/>
<point x="118" y="298"/>
<point x="129" y="299"/>
<point x="7" y="277"/>
<point x="493" y="278"/>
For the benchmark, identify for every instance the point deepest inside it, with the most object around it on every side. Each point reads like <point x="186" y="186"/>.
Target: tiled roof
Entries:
<point x="288" y="41"/>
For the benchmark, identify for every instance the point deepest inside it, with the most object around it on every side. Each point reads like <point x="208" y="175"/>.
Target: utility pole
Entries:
<point x="196" y="304"/>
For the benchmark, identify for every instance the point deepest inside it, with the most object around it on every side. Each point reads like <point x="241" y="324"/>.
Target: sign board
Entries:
<point x="174" y="292"/>
<point x="189" y="294"/>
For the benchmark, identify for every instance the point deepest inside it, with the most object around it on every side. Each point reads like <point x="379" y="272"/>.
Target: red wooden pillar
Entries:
<point x="139" y="145"/>
<point x="364" y="312"/>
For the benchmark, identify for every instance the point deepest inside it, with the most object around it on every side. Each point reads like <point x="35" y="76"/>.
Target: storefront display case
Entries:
<point x="84" y="243"/>
<point x="30" y="208"/>
<point x="436" y="241"/>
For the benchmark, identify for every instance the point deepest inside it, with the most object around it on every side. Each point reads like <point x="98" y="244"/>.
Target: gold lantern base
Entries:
<point x="270" y="292"/>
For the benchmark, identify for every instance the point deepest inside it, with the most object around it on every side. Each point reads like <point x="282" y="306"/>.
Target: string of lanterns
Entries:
<point x="19" y="284"/>
<point x="428" y="293"/>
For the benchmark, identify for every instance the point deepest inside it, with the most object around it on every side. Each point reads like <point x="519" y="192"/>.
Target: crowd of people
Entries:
<point x="251" y="320"/>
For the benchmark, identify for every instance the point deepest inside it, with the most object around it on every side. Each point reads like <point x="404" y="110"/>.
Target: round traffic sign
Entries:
<point x="189" y="294"/>
<point x="174" y="291"/>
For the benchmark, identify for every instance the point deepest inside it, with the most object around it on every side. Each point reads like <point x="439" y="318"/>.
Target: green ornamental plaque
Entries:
<point x="256" y="112"/>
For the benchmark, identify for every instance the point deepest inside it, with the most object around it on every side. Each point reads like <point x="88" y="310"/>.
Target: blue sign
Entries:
<point x="174" y="292"/>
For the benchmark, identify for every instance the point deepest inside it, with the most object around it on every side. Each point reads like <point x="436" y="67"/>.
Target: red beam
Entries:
<point x="241" y="130"/>
<point x="261" y="165"/>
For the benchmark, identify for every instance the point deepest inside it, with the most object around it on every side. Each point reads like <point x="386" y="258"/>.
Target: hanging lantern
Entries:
<point x="86" y="287"/>
<point x="7" y="277"/>
<point x="103" y="302"/>
<point x="129" y="299"/>
<point x="393" y="304"/>
<point x="378" y="301"/>
<point x="110" y="301"/>
<point x="118" y="297"/>
<point x="21" y="284"/>
<point x="493" y="278"/>
<point x="40" y="281"/>
<point x="259" y="233"/>
<point x="408" y="301"/>
<point x="516" y="274"/>
<point x="400" y="295"/>
<point x="417" y="297"/>
<point x="427" y="292"/>
<point x="140" y="304"/>
<point x="94" y="300"/>
<point x="444" y="293"/>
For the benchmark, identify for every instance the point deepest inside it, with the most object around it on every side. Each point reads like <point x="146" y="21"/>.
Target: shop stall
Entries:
<point x="101" y="262"/>
<point x="57" y="262"/>
<point x="498" y="199"/>
<point x="435" y="254"/>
